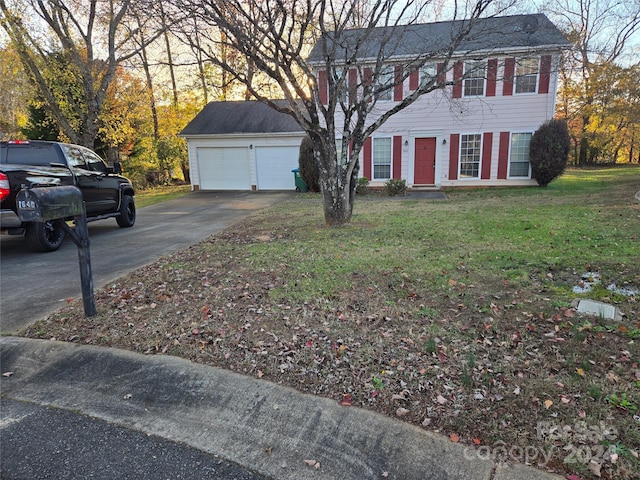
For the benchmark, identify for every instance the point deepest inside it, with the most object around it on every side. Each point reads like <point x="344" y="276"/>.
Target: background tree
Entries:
<point x="38" y="125"/>
<point x="15" y="94"/>
<point x="604" y="33"/>
<point x="276" y="38"/>
<point x="124" y="114"/>
<point x="93" y="40"/>
<point x="549" y="151"/>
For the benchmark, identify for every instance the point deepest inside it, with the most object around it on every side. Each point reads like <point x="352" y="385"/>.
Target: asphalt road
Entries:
<point x="32" y="285"/>
<point x="41" y="442"/>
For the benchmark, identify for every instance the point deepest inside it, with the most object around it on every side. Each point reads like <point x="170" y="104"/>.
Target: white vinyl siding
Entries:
<point x="434" y="114"/>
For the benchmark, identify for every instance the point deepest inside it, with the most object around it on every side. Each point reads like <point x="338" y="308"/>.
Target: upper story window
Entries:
<point x="384" y="86"/>
<point x="428" y="73"/>
<point x="526" y="75"/>
<point x="475" y="73"/>
<point x="343" y="92"/>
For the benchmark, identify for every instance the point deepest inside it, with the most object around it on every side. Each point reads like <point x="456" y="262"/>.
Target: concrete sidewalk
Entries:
<point x="272" y="430"/>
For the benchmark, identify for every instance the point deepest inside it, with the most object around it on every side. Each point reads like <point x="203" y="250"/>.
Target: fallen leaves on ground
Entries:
<point x="470" y="355"/>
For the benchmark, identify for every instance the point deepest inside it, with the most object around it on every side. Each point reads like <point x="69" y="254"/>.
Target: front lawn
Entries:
<point x="453" y="315"/>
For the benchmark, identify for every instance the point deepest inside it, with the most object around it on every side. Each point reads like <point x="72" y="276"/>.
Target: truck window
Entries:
<point x="30" y="154"/>
<point x="74" y="157"/>
<point x="94" y="162"/>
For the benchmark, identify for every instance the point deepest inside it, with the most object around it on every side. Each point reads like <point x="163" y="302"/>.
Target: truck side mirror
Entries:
<point x="117" y="168"/>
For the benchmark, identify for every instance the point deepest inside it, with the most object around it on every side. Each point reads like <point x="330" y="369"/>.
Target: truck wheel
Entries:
<point x="44" y="236"/>
<point x="127" y="215"/>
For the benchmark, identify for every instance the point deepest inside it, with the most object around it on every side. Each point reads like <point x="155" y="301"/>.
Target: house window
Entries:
<point x="519" y="155"/>
<point x="343" y="91"/>
<point x="384" y="82"/>
<point x="526" y="75"/>
<point x="474" y="73"/>
<point x="428" y="73"/>
<point x="381" y="158"/>
<point x="470" y="148"/>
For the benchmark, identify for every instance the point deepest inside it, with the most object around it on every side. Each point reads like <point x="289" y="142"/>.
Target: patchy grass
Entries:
<point x="151" y="196"/>
<point x="455" y="316"/>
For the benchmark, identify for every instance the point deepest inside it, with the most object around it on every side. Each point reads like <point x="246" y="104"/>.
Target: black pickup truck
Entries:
<point x="35" y="163"/>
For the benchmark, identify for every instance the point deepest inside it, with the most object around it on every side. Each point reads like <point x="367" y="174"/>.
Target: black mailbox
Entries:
<point x="42" y="204"/>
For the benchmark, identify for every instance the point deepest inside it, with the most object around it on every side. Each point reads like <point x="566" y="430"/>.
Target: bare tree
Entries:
<point x="92" y="37"/>
<point x="146" y="68"/>
<point x="167" y="43"/>
<point x="603" y="33"/>
<point x="211" y="47"/>
<point x="276" y="36"/>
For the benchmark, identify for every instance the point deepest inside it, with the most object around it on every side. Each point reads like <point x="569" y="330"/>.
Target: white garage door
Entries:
<point x="224" y="168"/>
<point x="274" y="165"/>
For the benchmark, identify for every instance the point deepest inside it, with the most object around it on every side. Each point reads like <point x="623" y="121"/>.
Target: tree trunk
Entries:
<point x="337" y="203"/>
<point x="338" y="186"/>
<point x="149" y="80"/>
<point x="584" y="150"/>
<point x="186" y="173"/>
<point x="167" y="44"/>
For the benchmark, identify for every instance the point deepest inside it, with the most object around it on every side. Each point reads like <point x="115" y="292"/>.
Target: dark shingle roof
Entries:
<point x="218" y="118"/>
<point x="494" y="34"/>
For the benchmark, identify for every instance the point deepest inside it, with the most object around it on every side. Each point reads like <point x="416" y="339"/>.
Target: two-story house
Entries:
<point x="497" y="89"/>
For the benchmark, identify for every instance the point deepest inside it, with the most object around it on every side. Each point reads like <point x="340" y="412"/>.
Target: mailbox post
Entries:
<point x="55" y="204"/>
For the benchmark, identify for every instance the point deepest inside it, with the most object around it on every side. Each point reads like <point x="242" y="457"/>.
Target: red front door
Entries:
<point x="425" y="162"/>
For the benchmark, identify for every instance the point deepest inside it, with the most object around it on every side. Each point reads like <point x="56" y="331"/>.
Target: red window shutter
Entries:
<point x="441" y="74"/>
<point x="457" y="77"/>
<point x="509" y="70"/>
<point x="397" y="156"/>
<point x="545" y="74"/>
<point x="368" y="76"/>
<point x="367" y="158"/>
<point x="414" y="79"/>
<point x="353" y="85"/>
<point x="487" y="146"/>
<point x="503" y="155"/>
<point x="454" y="148"/>
<point x="492" y="76"/>
<point x="323" y="88"/>
<point x="398" y="84"/>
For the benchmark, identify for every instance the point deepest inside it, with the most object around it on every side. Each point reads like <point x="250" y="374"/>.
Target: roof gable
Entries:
<point x="492" y="34"/>
<point x="220" y="118"/>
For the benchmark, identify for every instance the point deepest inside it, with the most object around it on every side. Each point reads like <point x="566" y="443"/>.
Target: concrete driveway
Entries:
<point x="32" y="285"/>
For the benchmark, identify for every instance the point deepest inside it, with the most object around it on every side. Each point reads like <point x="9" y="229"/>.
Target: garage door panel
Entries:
<point x="224" y="168"/>
<point x="274" y="165"/>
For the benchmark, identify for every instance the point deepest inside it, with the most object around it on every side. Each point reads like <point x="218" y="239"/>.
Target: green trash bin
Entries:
<point x="301" y="185"/>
